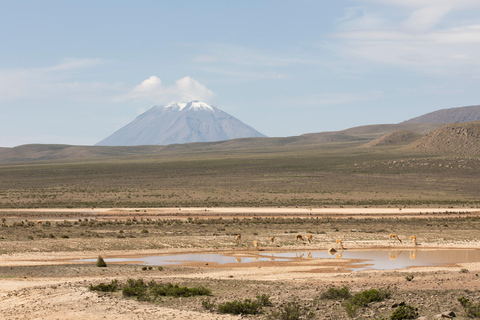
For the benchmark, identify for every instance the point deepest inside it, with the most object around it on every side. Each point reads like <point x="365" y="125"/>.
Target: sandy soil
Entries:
<point x="39" y="281"/>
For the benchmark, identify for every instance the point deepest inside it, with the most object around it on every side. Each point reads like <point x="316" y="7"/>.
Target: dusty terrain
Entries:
<point x="40" y="278"/>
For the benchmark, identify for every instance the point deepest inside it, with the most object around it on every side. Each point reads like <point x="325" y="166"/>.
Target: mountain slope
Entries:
<point x="451" y="115"/>
<point x="458" y="138"/>
<point x="395" y="138"/>
<point x="180" y="123"/>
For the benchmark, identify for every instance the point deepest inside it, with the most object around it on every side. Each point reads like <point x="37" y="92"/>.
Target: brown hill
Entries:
<point x="451" y="115"/>
<point x="460" y="138"/>
<point x="395" y="138"/>
<point x="356" y="136"/>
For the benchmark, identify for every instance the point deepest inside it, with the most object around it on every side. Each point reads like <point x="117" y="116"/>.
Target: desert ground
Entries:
<point x="41" y="276"/>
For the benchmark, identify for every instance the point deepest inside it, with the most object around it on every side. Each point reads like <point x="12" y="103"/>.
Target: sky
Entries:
<point x="74" y="72"/>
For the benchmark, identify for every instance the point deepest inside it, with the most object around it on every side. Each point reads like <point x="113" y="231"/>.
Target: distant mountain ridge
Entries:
<point x="180" y="123"/>
<point x="451" y="115"/>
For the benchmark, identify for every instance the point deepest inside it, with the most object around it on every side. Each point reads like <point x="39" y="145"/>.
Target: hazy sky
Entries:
<point x="74" y="72"/>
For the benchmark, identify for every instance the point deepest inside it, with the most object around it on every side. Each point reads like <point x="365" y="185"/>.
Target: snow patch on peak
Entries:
<point x="198" y="105"/>
<point x="176" y="105"/>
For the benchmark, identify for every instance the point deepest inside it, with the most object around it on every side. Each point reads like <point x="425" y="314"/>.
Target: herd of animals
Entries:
<point x="309" y="238"/>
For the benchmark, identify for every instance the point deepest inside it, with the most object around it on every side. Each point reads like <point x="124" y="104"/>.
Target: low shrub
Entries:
<point x="409" y="277"/>
<point x="336" y="294"/>
<point x="135" y="288"/>
<point x="238" y="307"/>
<point x="152" y="290"/>
<point x="101" y="263"/>
<point x="264" y="300"/>
<point x="177" y="291"/>
<point x="404" y="312"/>
<point x="208" y="304"/>
<point x="362" y="299"/>
<point x="111" y="287"/>
<point x="472" y="310"/>
<point x="291" y="311"/>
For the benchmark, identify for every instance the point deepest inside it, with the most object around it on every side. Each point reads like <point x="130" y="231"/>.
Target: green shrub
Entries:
<point x="404" y="312"/>
<point x="208" y="304"/>
<point x="238" y="307"/>
<point x="101" y="263"/>
<point x="160" y="268"/>
<point x="105" y="287"/>
<point x="336" y="294"/>
<point x="362" y="299"/>
<point x="177" y="291"/>
<point x="409" y="277"/>
<point x="291" y="311"/>
<point x="135" y="288"/>
<point x="264" y="300"/>
<point x="472" y="310"/>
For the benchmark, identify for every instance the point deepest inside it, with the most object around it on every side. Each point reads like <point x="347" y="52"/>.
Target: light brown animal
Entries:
<point x="238" y="239"/>
<point x="39" y="222"/>
<point x="299" y="237"/>
<point x="394" y="236"/>
<point x="338" y="242"/>
<point x="272" y="239"/>
<point x="255" y="244"/>
<point x="309" y="238"/>
<point x="414" y="239"/>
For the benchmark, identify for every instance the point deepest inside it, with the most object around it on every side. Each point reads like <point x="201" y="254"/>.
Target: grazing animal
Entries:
<point x="338" y="242"/>
<point x="255" y="244"/>
<point x="39" y="222"/>
<point x="272" y="239"/>
<point x="238" y="239"/>
<point x="299" y="237"/>
<point x="414" y="239"/>
<point x="238" y="259"/>
<point x="394" y="236"/>
<point x="309" y="238"/>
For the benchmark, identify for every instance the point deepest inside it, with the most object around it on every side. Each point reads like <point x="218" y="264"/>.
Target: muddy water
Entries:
<point x="370" y="259"/>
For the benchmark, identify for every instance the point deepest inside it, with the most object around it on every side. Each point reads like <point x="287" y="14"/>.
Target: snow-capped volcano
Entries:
<point x="195" y="121"/>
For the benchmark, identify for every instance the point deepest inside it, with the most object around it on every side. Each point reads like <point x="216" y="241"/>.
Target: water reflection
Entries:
<point x="393" y="255"/>
<point x="376" y="259"/>
<point x="413" y="254"/>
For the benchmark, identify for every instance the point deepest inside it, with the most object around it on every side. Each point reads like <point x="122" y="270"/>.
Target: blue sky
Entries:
<point x="74" y="72"/>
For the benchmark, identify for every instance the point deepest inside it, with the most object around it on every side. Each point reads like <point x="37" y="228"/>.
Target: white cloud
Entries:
<point x="47" y="82"/>
<point x="425" y="18"/>
<point x="421" y="36"/>
<point x="184" y="90"/>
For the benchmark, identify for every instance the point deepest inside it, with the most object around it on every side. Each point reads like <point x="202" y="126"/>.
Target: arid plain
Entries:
<point x="57" y="212"/>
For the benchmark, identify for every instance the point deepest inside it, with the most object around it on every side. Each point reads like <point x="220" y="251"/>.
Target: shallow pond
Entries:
<point x="375" y="259"/>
